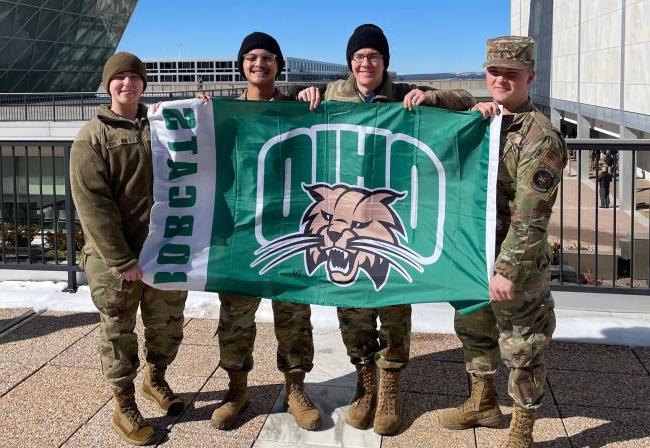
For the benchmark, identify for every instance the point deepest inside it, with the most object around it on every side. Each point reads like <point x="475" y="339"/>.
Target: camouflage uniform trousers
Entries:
<point x="389" y="347"/>
<point x="517" y="330"/>
<point x="237" y="330"/>
<point x="117" y="302"/>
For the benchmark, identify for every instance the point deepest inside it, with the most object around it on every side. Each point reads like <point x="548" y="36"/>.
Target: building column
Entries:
<point x="556" y="118"/>
<point x="626" y="172"/>
<point x="584" y="126"/>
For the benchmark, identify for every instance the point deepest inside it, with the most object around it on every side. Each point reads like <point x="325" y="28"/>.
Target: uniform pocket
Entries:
<point x="105" y="287"/>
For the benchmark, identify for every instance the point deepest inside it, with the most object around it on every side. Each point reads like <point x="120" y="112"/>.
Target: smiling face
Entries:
<point x="126" y="89"/>
<point x="260" y="67"/>
<point x="367" y="68"/>
<point x="508" y="86"/>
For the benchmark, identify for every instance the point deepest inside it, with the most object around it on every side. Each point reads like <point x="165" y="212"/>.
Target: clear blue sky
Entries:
<point x="424" y="36"/>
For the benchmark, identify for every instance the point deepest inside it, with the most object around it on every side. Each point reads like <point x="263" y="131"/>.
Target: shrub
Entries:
<point x="23" y="233"/>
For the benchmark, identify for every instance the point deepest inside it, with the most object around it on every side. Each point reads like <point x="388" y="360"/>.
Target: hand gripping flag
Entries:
<point x="356" y="205"/>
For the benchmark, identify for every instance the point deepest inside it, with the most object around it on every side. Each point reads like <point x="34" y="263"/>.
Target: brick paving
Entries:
<point x="52" y="393"/>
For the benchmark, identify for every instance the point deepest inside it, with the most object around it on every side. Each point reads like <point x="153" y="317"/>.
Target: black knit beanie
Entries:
<point x="123" y="62"/>
<point x="368" y="36"/>
<point x="260" y="40"/>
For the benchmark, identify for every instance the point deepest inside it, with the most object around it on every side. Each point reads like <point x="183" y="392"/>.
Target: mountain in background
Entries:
<point x="440" y="76"/>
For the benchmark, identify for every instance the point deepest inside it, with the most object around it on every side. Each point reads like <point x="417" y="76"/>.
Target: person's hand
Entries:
<point x="487" y="109"/>
<point x="501" y="289"/>
<point x="311" y="94"/>
<point x="155" y="107"/>
<point x="132" y="274"/>
<point x="202" y="96"/>
<point x="416" y="97"/>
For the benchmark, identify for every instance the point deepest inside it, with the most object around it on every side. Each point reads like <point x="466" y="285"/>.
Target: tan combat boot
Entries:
<point x="362" y="408"/>
<point x="156" y="389"/>
<point x="388" y="416"/>
<point x="480" y="409"/>
<point x="235" y="401"/>
<point x="521" y="428"/>
<point x="127" y="421"/>
<point x="297" y="401"/>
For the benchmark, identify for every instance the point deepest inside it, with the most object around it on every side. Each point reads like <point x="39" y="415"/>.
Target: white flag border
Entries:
<point x="491" y="205"/>
<point x="203" y="210"/>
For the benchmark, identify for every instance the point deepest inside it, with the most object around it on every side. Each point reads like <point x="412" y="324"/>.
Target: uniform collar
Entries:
<point x="381" y="94"/>
<point x="276" y="96"/>
<point x="520" y="113"/>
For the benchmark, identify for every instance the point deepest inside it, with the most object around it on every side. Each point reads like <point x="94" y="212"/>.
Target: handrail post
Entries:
<point x="69" y="225"/>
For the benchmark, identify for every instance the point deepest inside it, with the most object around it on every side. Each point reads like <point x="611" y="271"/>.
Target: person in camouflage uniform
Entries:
<point x="261" y="62"/>
<point x="519" y="322"/>
<point x="111" y="178"/>
<point x="387" y="348"/>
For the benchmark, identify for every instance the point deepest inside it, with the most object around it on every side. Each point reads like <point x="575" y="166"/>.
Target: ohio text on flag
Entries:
<point x="359" y="205"/>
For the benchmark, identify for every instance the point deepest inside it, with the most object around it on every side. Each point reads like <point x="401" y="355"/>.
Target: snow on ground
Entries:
<point x="573" y="325"/>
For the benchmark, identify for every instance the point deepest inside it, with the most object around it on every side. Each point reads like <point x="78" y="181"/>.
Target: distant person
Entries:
<point x="610" y="161"/>
<point x="604" y="179"/>
<point x="519" y="321"/>
<point x="111" y="177"/>
<point x="367" y="346"/>
<point x="261" y="63"/>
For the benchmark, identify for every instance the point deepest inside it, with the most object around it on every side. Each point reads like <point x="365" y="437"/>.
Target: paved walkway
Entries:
<point x="52" y="393"/>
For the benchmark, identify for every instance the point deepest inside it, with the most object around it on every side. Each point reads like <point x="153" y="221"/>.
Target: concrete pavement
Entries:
<point x="52" y="393"/>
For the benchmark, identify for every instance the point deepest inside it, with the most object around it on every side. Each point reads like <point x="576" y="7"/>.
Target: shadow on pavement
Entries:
<point x="46" y="324"/>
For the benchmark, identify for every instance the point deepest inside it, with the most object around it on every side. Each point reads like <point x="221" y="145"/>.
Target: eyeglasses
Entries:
<point x="268" y="58"/>
<point x="372" y="57"/>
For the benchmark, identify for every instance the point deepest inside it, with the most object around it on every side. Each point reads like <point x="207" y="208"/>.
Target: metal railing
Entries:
<point x="37" y="217"/>
<point x="596" y="249"/>
<point x="602" y="246"/>
<point x="82" y="106"/>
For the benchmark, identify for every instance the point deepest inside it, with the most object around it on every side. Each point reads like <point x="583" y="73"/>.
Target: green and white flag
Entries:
<point x="356" y="205"/>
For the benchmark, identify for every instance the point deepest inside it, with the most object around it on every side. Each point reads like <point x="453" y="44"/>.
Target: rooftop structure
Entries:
<point x="174" y="71"/>
<point x="58" y="45"/>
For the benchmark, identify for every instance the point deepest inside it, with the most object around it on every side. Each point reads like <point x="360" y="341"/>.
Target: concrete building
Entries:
<point x="57" y="45"/>
<point x="593" y="68"/>
<point x="172" y="74"/>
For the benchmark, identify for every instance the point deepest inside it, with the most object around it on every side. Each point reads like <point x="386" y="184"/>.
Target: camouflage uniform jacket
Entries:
<point x="532" y="157"/>
<point x="277" y="96"/>
<point x="111" y="178"/>
<point x="346" y="90"/>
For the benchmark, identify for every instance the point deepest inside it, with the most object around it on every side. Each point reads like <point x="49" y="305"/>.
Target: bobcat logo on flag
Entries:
<point x="349" y="229"/>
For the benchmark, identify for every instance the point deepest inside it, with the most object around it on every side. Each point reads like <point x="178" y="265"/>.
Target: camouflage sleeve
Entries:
<point x="100" y="217"/>
<point x="538" y="174"/>
<point x="455" y="99"/>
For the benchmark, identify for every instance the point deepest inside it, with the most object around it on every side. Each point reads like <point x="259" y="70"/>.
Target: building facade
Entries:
<point x="211" y="72"/>
<point x="592" y="62"/>
<point x="58" y="45"/>
<point x="592" y="71"/>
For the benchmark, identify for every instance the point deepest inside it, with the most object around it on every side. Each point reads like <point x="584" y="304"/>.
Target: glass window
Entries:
<point x="41" y="56"/>
<point x="26" y="22"/>
<point x="48" y="24"/>
<point x="20" y="53"/>
<point x="54" y="4"/>
<point x="7" y="16"/>
<point x="4" y="52"/>
<point x="73" y="6"/>
<point x="68" y="27"/>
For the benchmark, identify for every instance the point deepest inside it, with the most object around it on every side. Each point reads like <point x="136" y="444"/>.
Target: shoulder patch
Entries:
<point x="543" y="179"/>
<point x="553" y="160"/>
